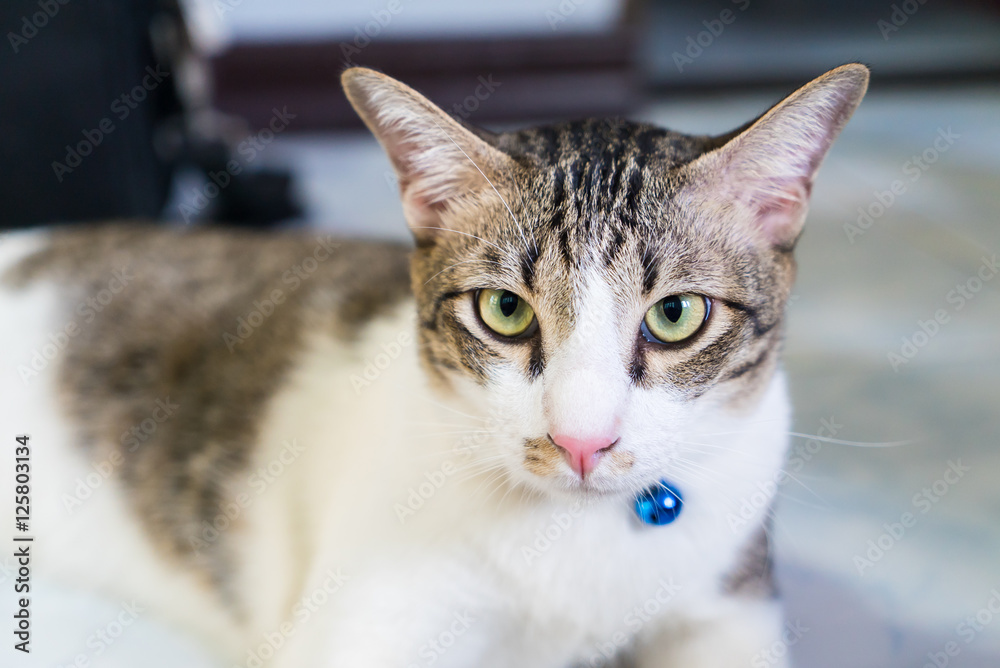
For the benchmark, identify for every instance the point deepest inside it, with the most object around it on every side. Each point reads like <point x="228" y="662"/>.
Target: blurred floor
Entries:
<point x="858" y="296"/>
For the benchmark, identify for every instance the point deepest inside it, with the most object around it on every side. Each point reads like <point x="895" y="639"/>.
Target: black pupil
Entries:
<point x="508" y="303"/>
<point x="673" y="308"/>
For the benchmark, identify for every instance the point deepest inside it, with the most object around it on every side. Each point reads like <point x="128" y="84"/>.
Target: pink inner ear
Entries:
<point x="400" y="153"/>
<point x="781" y="209"/>
<point x="423" y="214"/>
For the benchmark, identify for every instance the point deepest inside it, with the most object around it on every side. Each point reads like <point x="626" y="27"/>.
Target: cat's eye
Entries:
<point x="675" y="318"/>
<point x="504" y="312"/>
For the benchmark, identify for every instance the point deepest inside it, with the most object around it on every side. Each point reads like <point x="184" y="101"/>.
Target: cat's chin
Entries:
<point x="574" y="489"/>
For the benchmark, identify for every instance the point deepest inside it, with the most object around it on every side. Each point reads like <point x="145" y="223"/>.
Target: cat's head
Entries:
<point x="605" y="282"/>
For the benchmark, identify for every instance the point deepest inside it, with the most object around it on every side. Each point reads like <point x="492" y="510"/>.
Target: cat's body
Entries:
<point x="309" y="445"/>
<point x="481" y="550"/>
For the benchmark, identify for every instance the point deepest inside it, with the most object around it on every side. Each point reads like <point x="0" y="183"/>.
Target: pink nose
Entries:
<point x="583" y="454"/>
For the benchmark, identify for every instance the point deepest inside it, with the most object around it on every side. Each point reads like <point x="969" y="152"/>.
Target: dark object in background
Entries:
<point x="77" y="142"/>
<point x="95" y="122"/>
<point x="539" y="76"/>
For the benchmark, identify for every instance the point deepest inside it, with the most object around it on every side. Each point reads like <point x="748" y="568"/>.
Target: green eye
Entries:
<point x="504" y="312"/>
<point x="675" y="318"/>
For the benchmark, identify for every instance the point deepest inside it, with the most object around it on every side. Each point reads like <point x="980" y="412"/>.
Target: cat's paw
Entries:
<point x="752" y="635"/>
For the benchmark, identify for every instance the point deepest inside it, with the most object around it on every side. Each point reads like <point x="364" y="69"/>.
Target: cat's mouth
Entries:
<point x="588" y="489"/>
<point x="551" y="469"/>
<point x="598" y="489"/>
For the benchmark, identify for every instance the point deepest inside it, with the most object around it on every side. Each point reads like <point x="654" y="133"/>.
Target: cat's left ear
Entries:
<point x="440" y="163"/>
<point x="767" y="169"/>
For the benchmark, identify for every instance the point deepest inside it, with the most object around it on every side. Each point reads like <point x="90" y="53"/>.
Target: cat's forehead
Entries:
<point x="594" y="204"/>
<point x="602" y="141"/>
<point x="594" y="197"/>
<point x="598" y="196"/>
<point x="597" y="184"/>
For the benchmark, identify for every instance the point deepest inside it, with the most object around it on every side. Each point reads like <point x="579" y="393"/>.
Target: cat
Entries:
<point x="315" y="452"/>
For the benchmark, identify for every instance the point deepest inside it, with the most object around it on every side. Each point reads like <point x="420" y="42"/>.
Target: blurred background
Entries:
<point x="231" y="110"/>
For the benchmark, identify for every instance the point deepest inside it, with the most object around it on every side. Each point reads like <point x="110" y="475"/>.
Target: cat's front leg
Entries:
<point x="369" y="641"/>
<point x="746" y="635"/>
<point x="406" y="615"/>
<point x="743" y="633"/>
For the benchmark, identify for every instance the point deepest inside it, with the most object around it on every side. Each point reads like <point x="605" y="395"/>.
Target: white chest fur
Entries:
<point x="390" y="492"/>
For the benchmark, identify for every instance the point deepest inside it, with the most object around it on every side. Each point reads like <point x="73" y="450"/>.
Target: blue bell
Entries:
<point x="659" y="505"/>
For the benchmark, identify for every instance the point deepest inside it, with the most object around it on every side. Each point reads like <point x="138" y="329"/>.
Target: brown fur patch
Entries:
<point x="752" y="575"/>
<point x="542" y="457"/>
<point x="163" y="373"/>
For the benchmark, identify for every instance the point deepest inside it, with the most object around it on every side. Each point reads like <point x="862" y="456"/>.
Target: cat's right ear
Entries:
<point x="766" y="170"/>
<point x="442" y="167"/>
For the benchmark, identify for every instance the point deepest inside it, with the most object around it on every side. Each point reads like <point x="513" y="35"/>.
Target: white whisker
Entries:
<point x="499" y="264"/>
<point x="478" y="170"/>
<point x="517" y="223"/>
<point x="859" y="444"/>
<point x="448" y="229"/>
